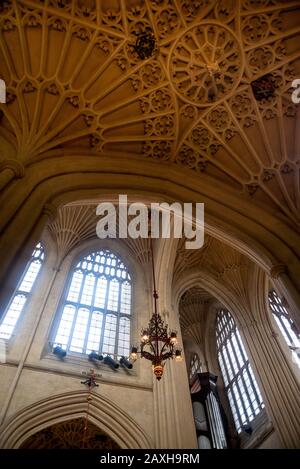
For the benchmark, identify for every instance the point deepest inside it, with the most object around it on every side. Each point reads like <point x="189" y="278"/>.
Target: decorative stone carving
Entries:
<point x="192" y="9"/>
<point x="225" y="10"/>
<point x="277" y="270"/>
<point x="68" y="435"/>
<point x="193" y="310"/>
<point x="206" y="64"/>
<point x="191" y="103"/>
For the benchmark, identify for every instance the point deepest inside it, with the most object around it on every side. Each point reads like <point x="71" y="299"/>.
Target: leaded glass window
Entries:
<point x="240" y="384"/>
<point x="286" y="325"/>
<point x="22" y="293"/>
<point x="195" y="365"/>
<point x="97" y="307"/>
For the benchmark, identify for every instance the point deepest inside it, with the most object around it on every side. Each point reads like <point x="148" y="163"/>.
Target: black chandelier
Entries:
<point x="157" y="344"/>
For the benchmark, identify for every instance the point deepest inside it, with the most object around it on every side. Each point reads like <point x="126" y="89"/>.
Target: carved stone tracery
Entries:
<point x="75" y="83"/>
<point x="68" y="435"/>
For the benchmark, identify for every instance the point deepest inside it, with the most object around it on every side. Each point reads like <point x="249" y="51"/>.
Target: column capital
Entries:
<point x="50" y="211"/>
<point x="16" y="166"/>
<point x="277" y="270"/>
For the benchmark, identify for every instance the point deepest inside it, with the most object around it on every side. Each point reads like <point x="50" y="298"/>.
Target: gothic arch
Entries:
<point x="216" y="289"/>
<point x="69" y="257"/>
<point x="251" y="237"/>
<point x="280" y="387"/>
<point x="103" y="413"/>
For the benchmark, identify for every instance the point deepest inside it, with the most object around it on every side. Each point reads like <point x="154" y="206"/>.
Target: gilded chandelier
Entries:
<point x="157" y="344"/>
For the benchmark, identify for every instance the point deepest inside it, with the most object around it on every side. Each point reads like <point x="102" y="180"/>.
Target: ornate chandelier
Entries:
<point x="157" y="344"/>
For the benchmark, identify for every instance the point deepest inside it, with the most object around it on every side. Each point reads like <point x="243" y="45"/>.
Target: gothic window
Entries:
<point x="97" y="307"/>
<point x="22" y="294"/>
<point x="287" y="327"/>
<point x="240" y="384"/>
<point x="195" y="366"/>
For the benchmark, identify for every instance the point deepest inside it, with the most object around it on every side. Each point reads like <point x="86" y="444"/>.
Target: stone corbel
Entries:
<point x="277" y="270"/>
<point x="49" y="211"/>
<point x="16" y="166"/>
<point x="10" y="169"/>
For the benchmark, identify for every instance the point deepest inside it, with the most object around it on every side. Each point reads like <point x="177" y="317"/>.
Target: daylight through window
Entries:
<point x="97" y="307"/>
<point x="22" y="293"/>
<point x="240" y="384"/>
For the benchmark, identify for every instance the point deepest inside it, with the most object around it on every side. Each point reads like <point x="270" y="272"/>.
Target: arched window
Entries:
<point x="22" y="293"/>
<point x="286" y="325"/>
<point x="195" y="365"/>
<point x="97" y="306"/>
<point x="240" y="384"/>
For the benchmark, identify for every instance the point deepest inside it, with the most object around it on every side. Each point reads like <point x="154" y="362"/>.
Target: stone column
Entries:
<point x="174" y="418"/>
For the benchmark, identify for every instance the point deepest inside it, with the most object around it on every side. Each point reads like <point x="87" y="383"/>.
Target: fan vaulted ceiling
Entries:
<point x="76" y="86"/>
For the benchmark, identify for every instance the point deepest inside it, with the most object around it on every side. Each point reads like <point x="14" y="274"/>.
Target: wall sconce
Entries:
<point x="111" y="362"/>
<point x="126" y="363"/>
<point x="178" y="356"/>
<point x="133" y="355"/>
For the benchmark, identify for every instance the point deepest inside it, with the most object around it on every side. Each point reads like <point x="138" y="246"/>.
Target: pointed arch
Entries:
<point x="103" y="413"/>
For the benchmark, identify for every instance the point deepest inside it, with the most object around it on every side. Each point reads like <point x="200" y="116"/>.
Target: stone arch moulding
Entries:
<point x="196" y="279"/>
<point x="103" y="413"/>
<point x="248" y="233"/>
<point x="254" y="239"/>
<point x="47" y="184"/>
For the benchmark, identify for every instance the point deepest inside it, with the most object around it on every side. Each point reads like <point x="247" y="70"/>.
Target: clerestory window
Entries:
<point x="96" y="309"/>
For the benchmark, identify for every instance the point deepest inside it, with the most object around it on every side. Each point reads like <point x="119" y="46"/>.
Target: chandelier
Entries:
<point x="157" y="343"/>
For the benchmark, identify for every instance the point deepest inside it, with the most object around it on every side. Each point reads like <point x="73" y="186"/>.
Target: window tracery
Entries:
<point x="97" y="307"/>
<point x="240" y="384"/>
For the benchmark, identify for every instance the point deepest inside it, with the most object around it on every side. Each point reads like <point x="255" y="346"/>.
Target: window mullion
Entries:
<point x="235" y="378"/>
<point x="118" y="319"/>
<point x="289" y="332"/>
<point x="230" y="344"/>
<point x="77" y="307"/>
<point x="88" y="266"/>
<point x="229" y="381"/>
<point x="229" y="359"/>
<point x="18" y="291"/>
<point x="246" y="390"/>
<point x="247" y="366"/>
<point x="241" y="397"/>
<point x="104" y="312"/>
<point x="91" y="309"/>
<point x="241" y="369"/>
<point x="285" y="328"/>
<point x="237" y="410"/>
<point x="238" y="340"/>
